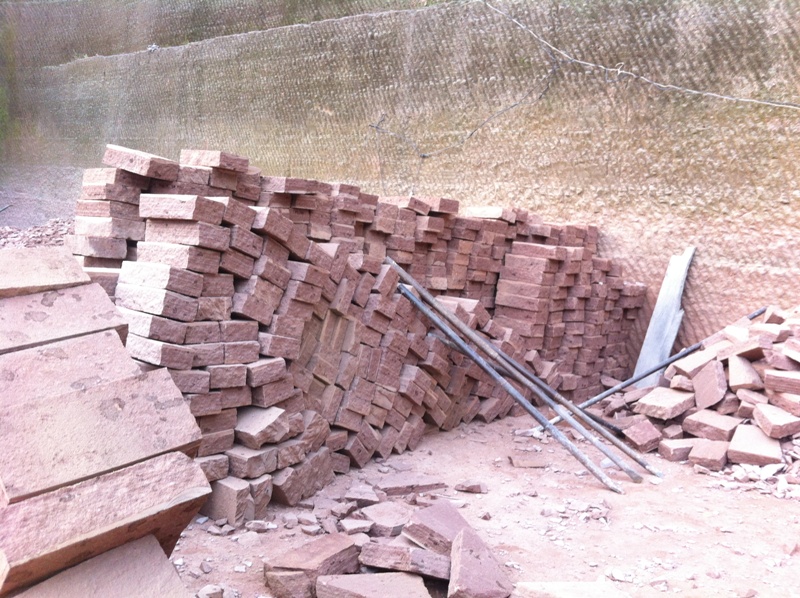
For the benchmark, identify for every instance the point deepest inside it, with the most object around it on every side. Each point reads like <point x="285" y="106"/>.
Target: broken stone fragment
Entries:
<point x="475" y="572"/>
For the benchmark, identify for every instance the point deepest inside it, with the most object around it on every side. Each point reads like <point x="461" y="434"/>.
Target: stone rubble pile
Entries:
<point x="736" y="401"/>
<point x="268" y="301"/>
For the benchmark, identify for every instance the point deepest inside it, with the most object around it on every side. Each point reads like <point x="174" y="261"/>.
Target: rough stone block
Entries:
<point x="228" y="500"/>
<point x="97" y="247"/>
<point x="196" y="234"/>
<point x="664" y="403"/>
<point x="141" y="163"/>
<point x="256" y="426"/>
<point x="709" y="384"/>
<point x="694" y="362"/>
<point x="157" y="353"/>
<point x="158" y="496"/>
<point x="214" y="466"/>
<point x="214" y="159"/>
<point x="711" y="454"/>
<point x="742" y="375"/>
<point x="751" y="445"/>
<point x="249" y="463"/>
<point x="158" y="302"/>
<point x="775" y="422"/>
<point x="161" y="276"/>
<point x="786" y="401"/>
<point x="643" y="435"/>
<point x="475" y="570"/>
<point x="676" y="449"/>
<point x="204" y="261"/>
<point x="294" y="574"/>
<point x="710" y="425"/>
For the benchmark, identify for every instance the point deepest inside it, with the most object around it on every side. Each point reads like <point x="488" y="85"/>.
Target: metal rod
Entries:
<point x="653" y="370"/>
<point x="4" y="208"/>
<point x="486" y="367"/>
<point x="547" y="394"/>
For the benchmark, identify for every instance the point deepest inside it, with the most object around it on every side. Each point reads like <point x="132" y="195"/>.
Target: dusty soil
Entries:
<point x="689" y="534"/>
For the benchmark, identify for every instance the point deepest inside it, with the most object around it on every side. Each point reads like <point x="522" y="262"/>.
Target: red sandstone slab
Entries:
<point x="711" y="454"/>
<point x="161" y="276"/>
<point x="158" y="353"/>
<point x="371" y="585"/>
<point x="664" y="403"/>
<point x="114" y="176"/>
<point x="196" y="259"/>
<point x="158" y="302"/>
<point x="295" y="573"/>
<point x="709" y="424"/>
<point x="139" y="569"/>
<point x="158" y="496"/>
<point x="475" y="570"/>
<point x="72" y="364"/>
<point x="107" y="209"/>
<point x="114" y="228"/>
<point x="101" y="428"/>
<point x="180" y="207"/>
<point x="709" y="384"/>
<point x="781" y="381"/>
<point x="141" y="163"/>
<point x="408" y="559"/>
<point x="742" y="375"/>
<point x="214" y="159"/>
<point x="775" y="422"/>
<point x="32" y="320"/>
<point x="676" y="449"/>
<point x="195" y="234"/>
<point x="435" y="527"/>
<point x="750" y="445"/>
<point x="786" y="401"/>
<point x="28" y="270"/>
<point x="98" y="247"/>
<point x="694" y="362"/>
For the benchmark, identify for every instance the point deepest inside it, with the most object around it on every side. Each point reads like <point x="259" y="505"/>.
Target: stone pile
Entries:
<point x="96" y="473"/>
<point x="393" y="548"/>
<point x="268" y="301"/>
<point x="737" y="400"/>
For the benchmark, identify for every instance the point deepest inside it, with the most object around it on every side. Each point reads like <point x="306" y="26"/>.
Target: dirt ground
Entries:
<point x="689" y="534"/>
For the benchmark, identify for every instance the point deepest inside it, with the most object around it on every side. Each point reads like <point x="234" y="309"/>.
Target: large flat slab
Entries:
<point x="27" y="270"/>
<point x="57" y="530"/>
<point x="32" y="320"/>
<point x="51" y="441"/>
<point x="371" y="585"/>
<point x="139" y="569"/>
<point x="56" y="368"/>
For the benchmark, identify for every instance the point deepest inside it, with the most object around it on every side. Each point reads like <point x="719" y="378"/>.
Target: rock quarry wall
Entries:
<point x="446" y="98"/>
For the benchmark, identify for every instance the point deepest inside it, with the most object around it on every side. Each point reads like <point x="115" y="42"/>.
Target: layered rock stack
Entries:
<point x="268" y="301"/>
<point x="96" y="473"/>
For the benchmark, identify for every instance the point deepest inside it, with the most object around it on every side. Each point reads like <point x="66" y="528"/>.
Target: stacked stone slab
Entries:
<point x="268" y="301"/>
<point x="95" y="453"/>
<point x="737" y="400"/>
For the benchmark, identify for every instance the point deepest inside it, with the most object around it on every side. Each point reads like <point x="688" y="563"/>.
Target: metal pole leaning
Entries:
<point x="539" y="388"/>
<point x="653" y="370"/>
<point x="486" y="367"/>
<point x="512" y="368"/>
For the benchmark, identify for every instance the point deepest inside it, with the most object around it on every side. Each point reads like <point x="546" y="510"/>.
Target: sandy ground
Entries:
<point x="688" y="534"/>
